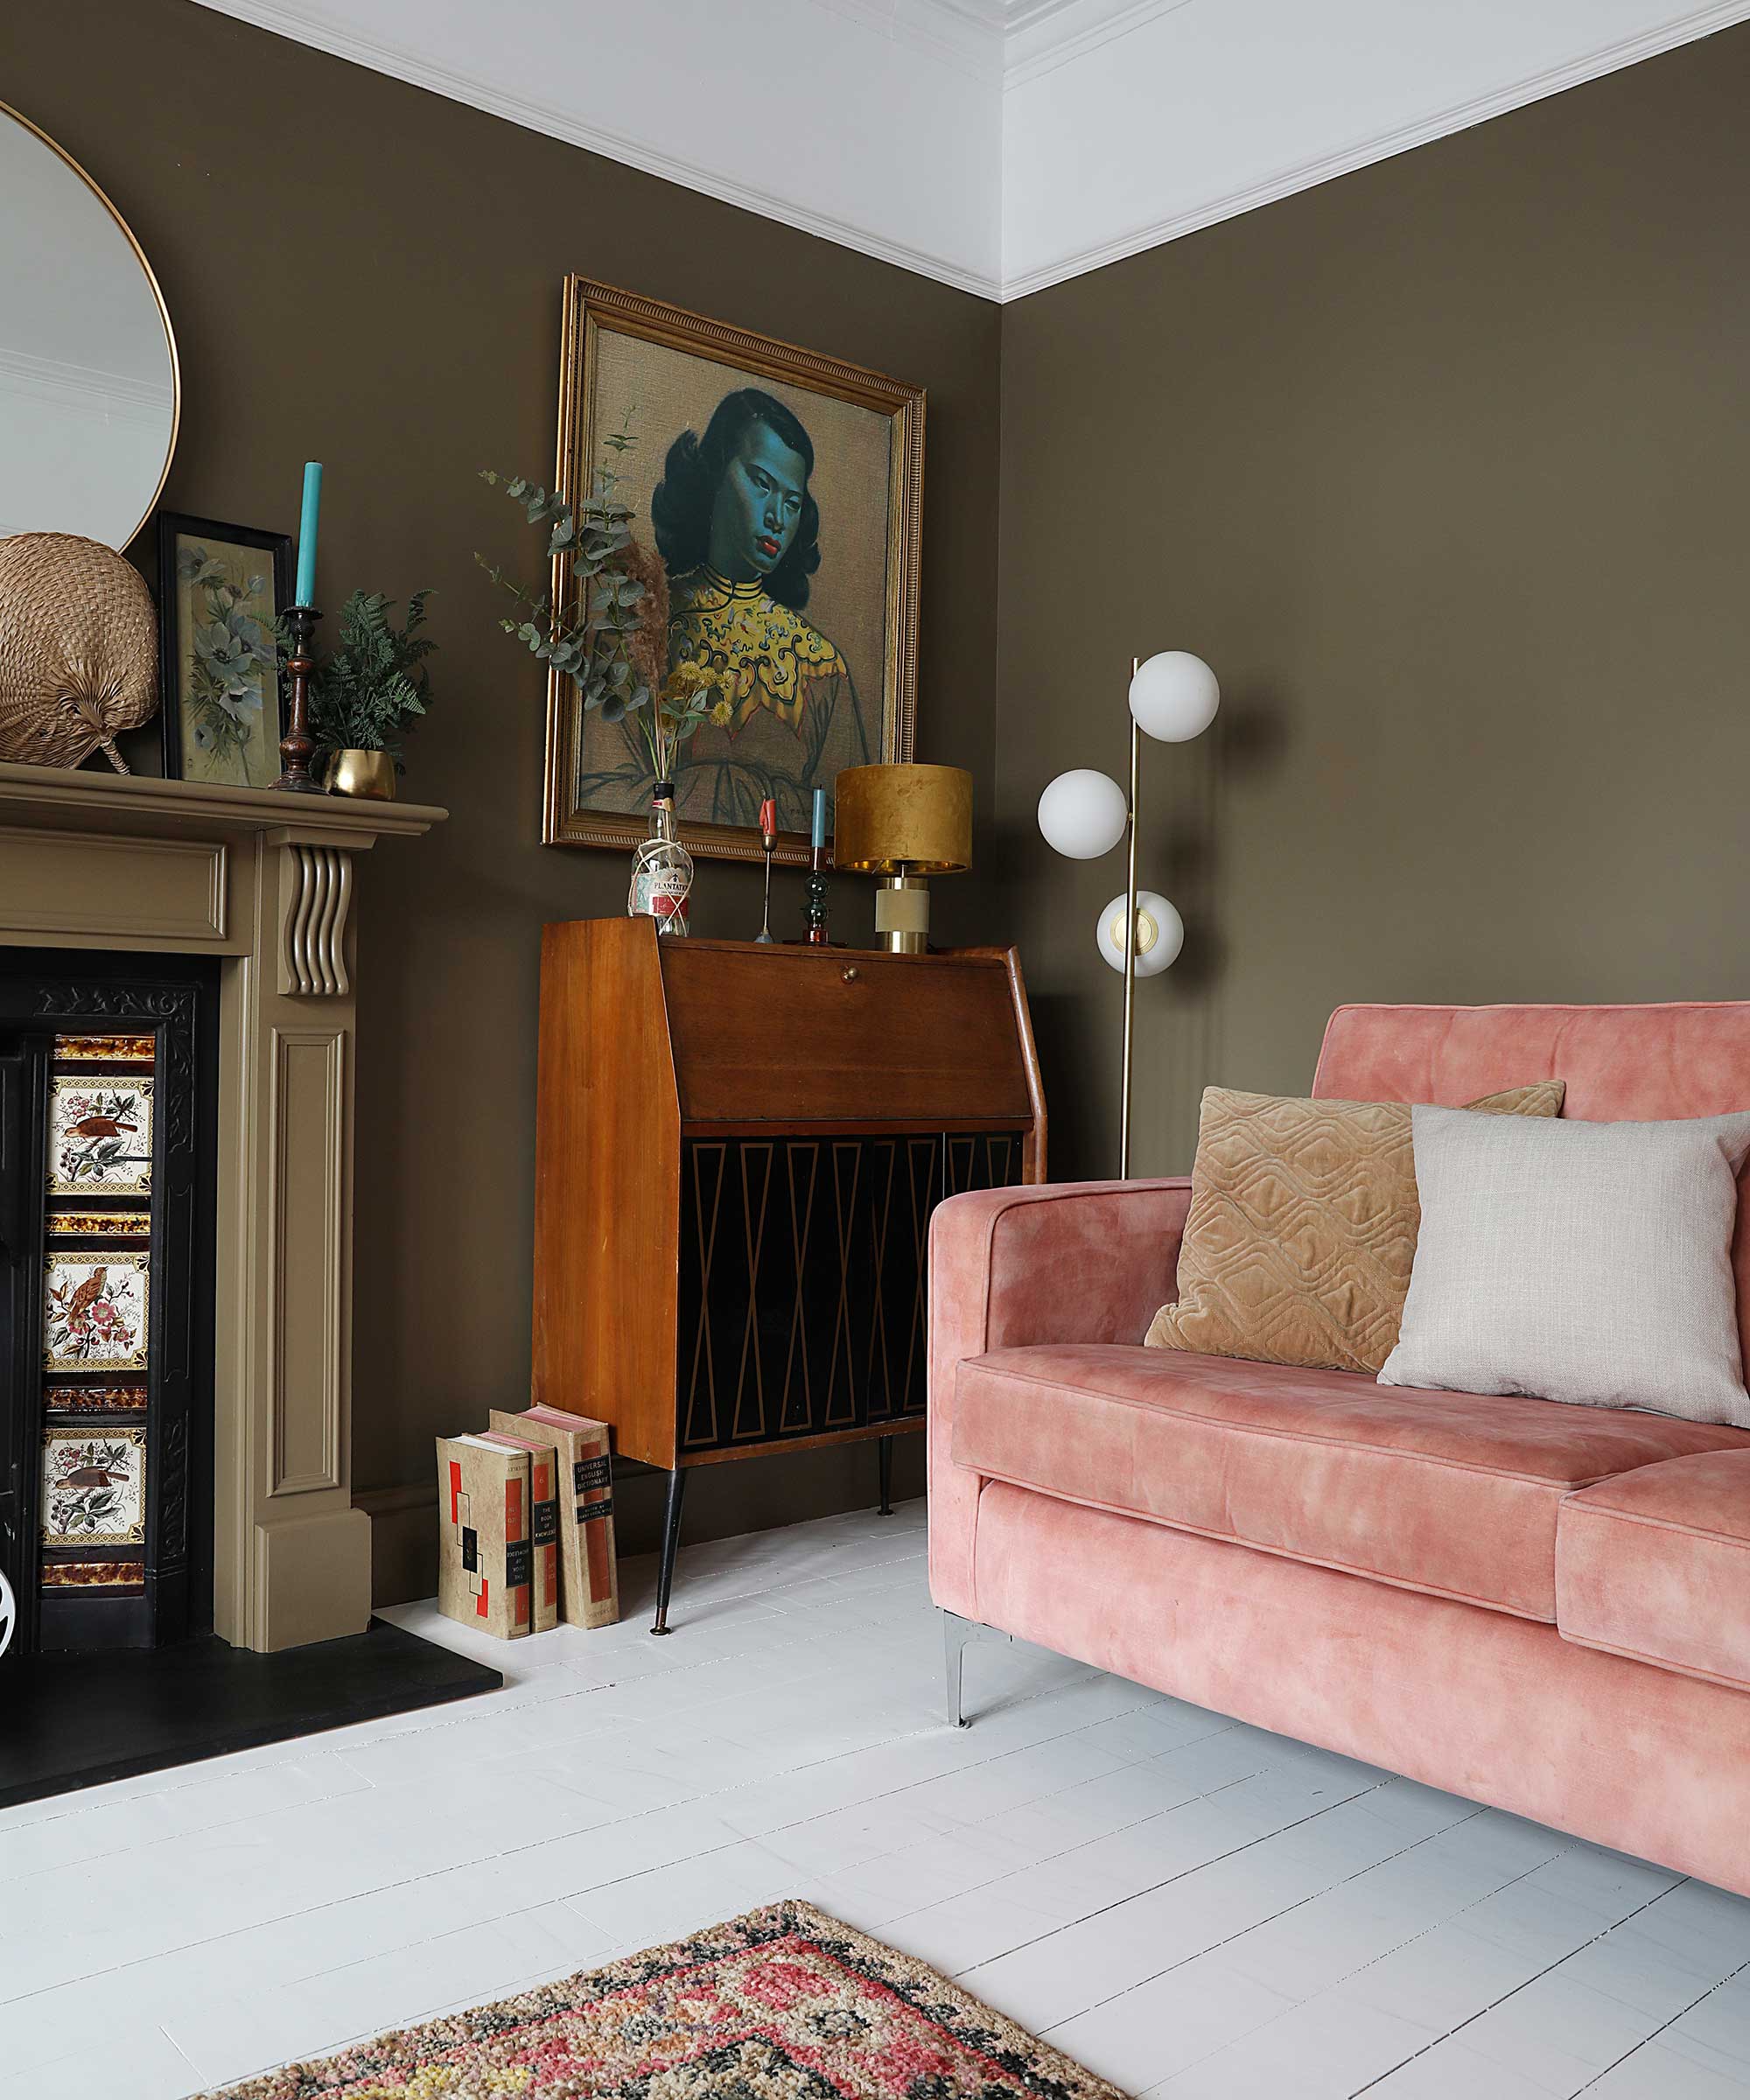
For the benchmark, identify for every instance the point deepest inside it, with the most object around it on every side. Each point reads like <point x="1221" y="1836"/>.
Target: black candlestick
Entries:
<point x="298" y="747"/>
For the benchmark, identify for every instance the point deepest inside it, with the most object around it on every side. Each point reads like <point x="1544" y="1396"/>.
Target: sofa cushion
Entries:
<point x="1655" y="1564"/>
<point x="1449" y="1493"/>
<point x="1303" y="1228"/>
<point x="1621" y="1064"/>
<point x="1583" y="1262"/>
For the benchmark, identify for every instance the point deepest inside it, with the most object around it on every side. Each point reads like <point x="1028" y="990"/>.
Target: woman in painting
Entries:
<point x="739" y="533"/>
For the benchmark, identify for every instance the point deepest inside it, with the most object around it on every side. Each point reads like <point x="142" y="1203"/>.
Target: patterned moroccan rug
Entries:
<point x="785" y="2004"/>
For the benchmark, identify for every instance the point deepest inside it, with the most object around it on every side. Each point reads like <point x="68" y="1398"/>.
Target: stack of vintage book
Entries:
<point x="525" y="1524"/>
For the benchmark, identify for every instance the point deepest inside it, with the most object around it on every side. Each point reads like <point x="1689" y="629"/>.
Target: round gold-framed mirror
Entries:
<point x="90" y="387"/>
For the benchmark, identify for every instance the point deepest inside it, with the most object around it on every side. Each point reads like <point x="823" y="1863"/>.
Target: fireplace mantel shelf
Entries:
<point x="114" y="801"/>
<point x="262" y="883"/>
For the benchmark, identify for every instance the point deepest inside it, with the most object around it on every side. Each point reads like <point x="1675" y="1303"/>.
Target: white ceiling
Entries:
<point x="1000" y="145"/>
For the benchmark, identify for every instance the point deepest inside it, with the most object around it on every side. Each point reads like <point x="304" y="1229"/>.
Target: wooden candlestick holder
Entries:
<point x="820" y="860"/>
<point x="298" y="747"/>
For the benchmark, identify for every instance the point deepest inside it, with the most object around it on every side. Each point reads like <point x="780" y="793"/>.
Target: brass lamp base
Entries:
<point x="902" y="914"/>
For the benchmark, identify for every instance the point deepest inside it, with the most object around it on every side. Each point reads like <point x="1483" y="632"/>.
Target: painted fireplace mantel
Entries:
<point x="264" y="882"/>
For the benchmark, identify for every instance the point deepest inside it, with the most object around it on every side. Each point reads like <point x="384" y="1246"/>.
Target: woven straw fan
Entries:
<point x="77" y="649"/>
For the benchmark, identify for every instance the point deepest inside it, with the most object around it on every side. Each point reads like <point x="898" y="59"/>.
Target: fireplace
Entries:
<point x="107" y="1150"/>
<point x="201" y="939"/>
<point x="234" y="907"/>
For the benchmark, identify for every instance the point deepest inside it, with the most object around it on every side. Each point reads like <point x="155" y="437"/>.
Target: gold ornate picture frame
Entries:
<point x="824" y="676"/>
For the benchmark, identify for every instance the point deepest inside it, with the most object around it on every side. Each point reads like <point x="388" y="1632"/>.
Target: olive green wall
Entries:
<point x="1443" y="467"/>
<point x="362" y="273"/>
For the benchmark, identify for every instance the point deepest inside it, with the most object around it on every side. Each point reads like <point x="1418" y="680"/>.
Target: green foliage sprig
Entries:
<point x="608" y="635"/>
<point x="373" y="686"/>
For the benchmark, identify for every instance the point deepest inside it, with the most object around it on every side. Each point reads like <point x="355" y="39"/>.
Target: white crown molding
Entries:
<point x="305" y="25"/>
<point x="973" y="54"/>
<point x="961" y="32"/>
<point x="1684" y="28"/>
<point x="1050" y="33"/>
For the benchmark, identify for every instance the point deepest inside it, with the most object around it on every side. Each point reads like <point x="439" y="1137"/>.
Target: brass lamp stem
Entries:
<point x="1130" y="948"/>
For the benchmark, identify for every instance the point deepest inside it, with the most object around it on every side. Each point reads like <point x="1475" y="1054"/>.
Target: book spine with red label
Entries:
<point x="543" y="1474"/>
<point x="592" y="1496"/>
<point x="589" y="1585"/>
<point x="485" y="1553"/>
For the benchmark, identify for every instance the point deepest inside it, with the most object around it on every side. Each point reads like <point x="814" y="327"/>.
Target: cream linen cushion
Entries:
<point x="1302" y="1228"/>
<point x="1583" y="1262"/>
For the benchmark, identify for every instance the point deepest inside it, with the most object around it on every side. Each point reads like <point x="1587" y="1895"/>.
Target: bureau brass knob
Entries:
<point x="851" y="973"/>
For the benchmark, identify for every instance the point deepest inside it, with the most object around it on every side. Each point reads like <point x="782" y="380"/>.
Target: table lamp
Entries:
<point x="1084" y="813"/>
<point x="903" y="824"/>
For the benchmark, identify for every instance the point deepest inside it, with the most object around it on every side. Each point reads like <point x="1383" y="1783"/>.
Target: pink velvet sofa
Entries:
<point x="1540" y="1606"/>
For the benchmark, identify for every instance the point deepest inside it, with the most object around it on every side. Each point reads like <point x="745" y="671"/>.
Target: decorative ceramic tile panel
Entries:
<point x="94" y="1312"/>
<point x="97" y="1399"/>
<point x="105" y="1050"/>
<point x="111" y="1224"/>
<point x="100" y="1136"/>
<point x="94" y="1574"/>
<point x="93" y="1487"/>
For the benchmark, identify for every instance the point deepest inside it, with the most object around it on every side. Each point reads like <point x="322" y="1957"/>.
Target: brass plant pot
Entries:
<point x="367" y="773"/>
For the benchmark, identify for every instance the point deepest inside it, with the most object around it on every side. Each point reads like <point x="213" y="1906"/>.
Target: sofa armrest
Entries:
<point x="1066" y="1260"/>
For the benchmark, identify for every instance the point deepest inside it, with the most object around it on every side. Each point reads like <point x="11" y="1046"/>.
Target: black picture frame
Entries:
<point x="174" y="528"/>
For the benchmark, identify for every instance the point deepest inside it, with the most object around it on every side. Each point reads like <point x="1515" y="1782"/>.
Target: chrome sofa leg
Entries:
<point x="956" y="1632"/>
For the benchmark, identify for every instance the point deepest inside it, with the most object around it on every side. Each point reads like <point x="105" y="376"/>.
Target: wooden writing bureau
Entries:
<point x="738" y="1148"/>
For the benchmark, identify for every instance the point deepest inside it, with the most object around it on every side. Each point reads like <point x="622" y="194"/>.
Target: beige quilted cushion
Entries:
<point x="1302" y="1228"/>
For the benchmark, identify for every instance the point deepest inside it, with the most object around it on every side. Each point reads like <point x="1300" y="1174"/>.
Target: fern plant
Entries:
<point x="373" y="686"/>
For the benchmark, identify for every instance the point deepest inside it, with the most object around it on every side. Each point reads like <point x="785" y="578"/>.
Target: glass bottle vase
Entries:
<point x="662" y="868"/>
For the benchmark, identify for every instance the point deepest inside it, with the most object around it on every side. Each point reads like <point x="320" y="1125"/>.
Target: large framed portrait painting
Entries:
<point x="780" y="492"/>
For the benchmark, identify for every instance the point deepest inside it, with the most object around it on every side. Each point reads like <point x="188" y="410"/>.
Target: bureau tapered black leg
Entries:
<point x="671" y="1538"/>
<point x="884" y="1448"/>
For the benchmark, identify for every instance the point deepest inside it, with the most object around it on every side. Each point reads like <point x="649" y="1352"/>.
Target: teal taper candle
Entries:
<point x="306" y="533"/>
<point x="817" y="838"/>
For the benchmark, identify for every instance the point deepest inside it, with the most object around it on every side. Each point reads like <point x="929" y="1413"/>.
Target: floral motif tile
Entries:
<point x="100" y="1135"/>
<point x="93" y="1487"/>
<point x="94" y="1314"/>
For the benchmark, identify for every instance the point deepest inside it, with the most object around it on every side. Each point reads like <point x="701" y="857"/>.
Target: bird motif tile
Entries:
<point x="93" y="1487"/>
<point x="100" y="1136"/>
<point x="94" y="1312"/>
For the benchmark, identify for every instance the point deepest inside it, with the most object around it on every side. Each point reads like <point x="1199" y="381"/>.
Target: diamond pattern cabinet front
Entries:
<point x="803" y="1275"/>
<point x="737" y="1152"/>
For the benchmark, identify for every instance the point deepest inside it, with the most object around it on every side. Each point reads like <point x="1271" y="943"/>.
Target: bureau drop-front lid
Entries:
<point x="798" y="1034"/>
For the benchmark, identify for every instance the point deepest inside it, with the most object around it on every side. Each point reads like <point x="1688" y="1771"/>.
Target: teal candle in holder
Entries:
<point x="305" y="594"/>
<point x="816" y="912"/>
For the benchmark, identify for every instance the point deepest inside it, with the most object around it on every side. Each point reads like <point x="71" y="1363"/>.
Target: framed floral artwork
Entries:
<point x="100" y="1136"/>
<point x="221" y="588"/>
<point x="94" y="1312"/>
<point x="93" y="1487"/>
<point x="774" y="499"/>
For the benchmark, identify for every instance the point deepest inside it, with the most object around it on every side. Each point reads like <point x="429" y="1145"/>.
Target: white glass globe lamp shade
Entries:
<point x="1173" y="696"/>
<point x="8" y="1614"/>
<point x="1083" y="814"/>
<point x="1160" y="933"/>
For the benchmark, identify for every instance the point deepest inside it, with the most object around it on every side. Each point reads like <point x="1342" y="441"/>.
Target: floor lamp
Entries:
<point x="1083" y="815"/>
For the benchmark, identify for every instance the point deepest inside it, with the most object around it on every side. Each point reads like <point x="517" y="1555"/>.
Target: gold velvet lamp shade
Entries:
<point x="903" y="824"/>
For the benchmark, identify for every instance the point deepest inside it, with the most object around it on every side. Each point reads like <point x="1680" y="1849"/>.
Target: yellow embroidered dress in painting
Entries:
<point x="794" y="722"/>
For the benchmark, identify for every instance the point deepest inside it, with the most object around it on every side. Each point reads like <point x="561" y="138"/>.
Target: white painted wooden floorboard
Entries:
<point x="1196" y="1909"/>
